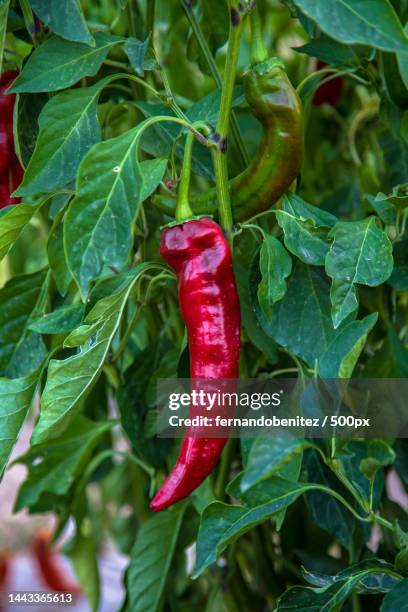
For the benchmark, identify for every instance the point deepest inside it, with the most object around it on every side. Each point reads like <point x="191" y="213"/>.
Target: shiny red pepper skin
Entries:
<point x="11" y="172"/>
<point x="201" y="257"/>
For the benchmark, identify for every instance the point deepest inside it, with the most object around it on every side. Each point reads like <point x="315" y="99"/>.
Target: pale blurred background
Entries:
<point x="16" y="532"/>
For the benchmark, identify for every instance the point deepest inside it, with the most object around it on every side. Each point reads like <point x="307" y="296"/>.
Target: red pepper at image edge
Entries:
<point x="5" y="557"/>
<point x="330" y="92"/>
<point x="201" y="257"/>
<point x="11" y="172"/>
<point x="4" y="569"/>
<point x="49" y="566"/>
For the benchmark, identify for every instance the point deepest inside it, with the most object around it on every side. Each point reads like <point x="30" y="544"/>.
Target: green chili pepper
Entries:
<point x="273" y="101"/>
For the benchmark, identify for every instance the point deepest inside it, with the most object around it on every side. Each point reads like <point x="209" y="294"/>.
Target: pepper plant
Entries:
<point x="287" y="123"/>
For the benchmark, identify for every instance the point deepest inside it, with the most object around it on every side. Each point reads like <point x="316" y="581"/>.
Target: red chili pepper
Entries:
<point x="9" y="182"/>
<point x="4" y="569"/>
<point x="47" y="560"/>
<point x="11" y="172"/>
<point x="4" y="575"/>
<point x="201" y="257"/>
<point x="330" y="92"/>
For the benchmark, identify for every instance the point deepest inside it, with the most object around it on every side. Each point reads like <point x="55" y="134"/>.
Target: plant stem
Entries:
<point x="224" y="470"/>
<point x="231" y="61"/>
<point x="382" y="521"/>
<point x="202" y="43"/>
<point x="259" y="52"/>
<point x="343" y="501"/>
<point x="219" y="155"/>
<point x="173" y="104"/>
<point x="284" y="371"/>
<point x="223" y="194"/>
<point x="28" y="19"/>
<point x="116" y="64"/>
<point x="183" y="210"/>
<point x="150" y="12"/>
<point x="132" y="77"/>
<point x="130" y="11"/>
<point x="347" y="484"/>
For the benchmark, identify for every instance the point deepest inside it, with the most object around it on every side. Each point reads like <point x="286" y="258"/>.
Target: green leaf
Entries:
<point x="111" y="184"/>
<point x="65" y="19"/>
<point x="295" y="206"/>
<point x="306" y="599"/>
<point x="373" y="23"/>
<point x="70" y="62"/>
<point x="13" y="221"/>
<point x="214" y="25"/>
<point x="375" y="576"/>
<point x="360" y="460"/>
<point x="215" y="22"/>
<point x="54" y="466"/>
<point x="134" y="409"/>
<point x="361" y="253"/>
<point x="70" y="380"/>
<point x="207" y="108"/>
<point x="330" y="51"/>
<point x="340" y="357"/>
<point x="275" y="265"/>
<point x="305" y="307"/>
<point x="391" y="361"/>
<point x="380" y="455"/>
<point x="288" y="470"/>
<point x="267" y="456"/>
<point x="15" y="400"/>
<point x="4" y="8"/>
<point x="327" y="512"/>
<point x="402" y="63"/>
<point x="401" y="461"/>
<point x="27" y="110"/>
<point x="397" y="598"/>
<point x="384" y="208"/>
<point x="56" y="255"/>
<point x="83" y="552"/>
<point x="251" y="324"/>
<point x="151" y="559"/>
<point x="392" y="78"/>
<point x="161" y="138"/>
<point x="221" y="523"/>
<point x="302" y="239"/>
<point x="395" y="150"/>
<point x="399" y="277"/>
<point x="136" y="52"/>
<point x="61" y="321"/>
<point x="332" y="596"/>
<point x="305" y="229"/>
<point x="68" y="129"/>
<point x="19" y="300"/>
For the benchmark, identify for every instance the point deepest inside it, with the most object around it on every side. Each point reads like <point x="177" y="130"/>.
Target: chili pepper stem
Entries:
<point x="259" y="52"/>
<point x="219" y="156"/>
<point x="223" y="193"/>
<point x="225" y="466"/>
<point x="183" y="209"/>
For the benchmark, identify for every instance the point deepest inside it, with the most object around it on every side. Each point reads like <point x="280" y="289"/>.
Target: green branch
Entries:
<point x="212" y="66"/>
<point x="183" y="209"/>
<point x="219" y="155"/>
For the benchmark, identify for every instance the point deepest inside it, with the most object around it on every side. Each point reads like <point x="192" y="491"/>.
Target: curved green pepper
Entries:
<point x="273" y="101"/>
